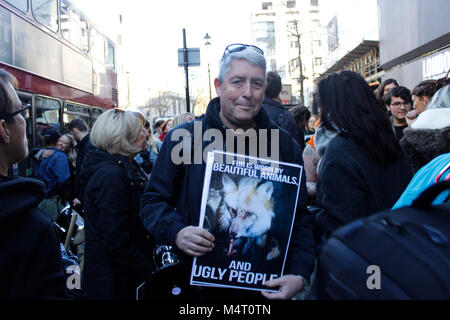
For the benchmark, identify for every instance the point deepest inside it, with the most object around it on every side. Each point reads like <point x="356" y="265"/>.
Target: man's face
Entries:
<point x="241" y="94"/>
<point x="76" y="134"/>
<point x="17" y="128"/>
<point x="399" y="108"/>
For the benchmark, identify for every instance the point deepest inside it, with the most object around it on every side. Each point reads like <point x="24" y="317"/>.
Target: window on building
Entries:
<point x="46" y="13"/>
<point x="294" y="44"/>
<point x="96" y="112"/>
<point x="110" y="55"/>
<point x="318" y="43"/>
<point x="74" y="28"/>
<point x="266" y="14"/>
<point x="333" y="36"/>
<point x="75" y="111"/>
<point x="97" y="46"/>
<point x="318" y="61"/>
<point x="22" y="5"/>
<point x="291" y="4"/>
<point x="315" y="22"/>
<point x="314" y="3"/>
<point x="264" y="33"/>
<point x="293" y="25"/>
<point x="48" y="112"/>
<point x="273" y="65"/>
<point x="267" y="5"/>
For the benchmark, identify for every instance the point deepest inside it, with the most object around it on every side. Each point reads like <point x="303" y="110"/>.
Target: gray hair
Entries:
<point x="8" y="96"/>
<point x="249" y="54"/>
<point x="71" y="155"/>
<point x="115" y="132"/>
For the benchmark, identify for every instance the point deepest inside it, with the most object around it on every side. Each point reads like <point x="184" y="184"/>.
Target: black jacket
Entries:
<point x="30" y="260"/>
<point x="172" y="197"/>
<point x="82" y="148"/>
<point x="284" y="119"/>
<point x="117" y="257"/>
<point x="352" y="185"/>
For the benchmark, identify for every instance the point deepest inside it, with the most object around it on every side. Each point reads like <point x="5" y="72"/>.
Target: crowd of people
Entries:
<point x="363" y="153"/>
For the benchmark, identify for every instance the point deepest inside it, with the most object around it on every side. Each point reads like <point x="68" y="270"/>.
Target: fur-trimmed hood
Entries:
<point x="423" y="145"/>
<point x="433" y="119"/>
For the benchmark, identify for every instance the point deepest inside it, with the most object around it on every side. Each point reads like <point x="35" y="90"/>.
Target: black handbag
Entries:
<point x="402" y="254"/>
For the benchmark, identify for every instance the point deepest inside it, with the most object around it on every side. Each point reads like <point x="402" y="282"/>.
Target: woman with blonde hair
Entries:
<point x="148" y="157"/>
<point x="66" y="143"/>
<point x="117" y="246"/>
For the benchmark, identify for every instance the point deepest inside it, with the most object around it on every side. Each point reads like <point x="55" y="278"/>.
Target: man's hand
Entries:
<point x="47" y="154"/>
<point x="194" y="241"/>
<point x="289" y="286"/>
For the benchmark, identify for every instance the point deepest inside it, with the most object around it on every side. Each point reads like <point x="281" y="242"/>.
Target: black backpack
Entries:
<point x="402" y="254"/>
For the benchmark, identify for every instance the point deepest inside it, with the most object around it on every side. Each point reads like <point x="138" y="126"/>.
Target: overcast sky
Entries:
<point x="152" y="33"/>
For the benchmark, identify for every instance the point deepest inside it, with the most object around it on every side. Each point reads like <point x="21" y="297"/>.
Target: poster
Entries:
<point x="249" y="205"/>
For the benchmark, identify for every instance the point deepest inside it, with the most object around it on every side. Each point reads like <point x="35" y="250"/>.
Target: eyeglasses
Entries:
<point x="399" y="104"/>
<point x="238" y="47"/>
<point x="22" y="111"/>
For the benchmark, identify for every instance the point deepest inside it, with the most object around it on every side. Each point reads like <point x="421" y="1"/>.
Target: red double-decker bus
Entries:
<point x="65" y="66"/>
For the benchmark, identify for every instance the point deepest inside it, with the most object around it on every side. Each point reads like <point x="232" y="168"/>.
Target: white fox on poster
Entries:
<point x="249" y="206"/>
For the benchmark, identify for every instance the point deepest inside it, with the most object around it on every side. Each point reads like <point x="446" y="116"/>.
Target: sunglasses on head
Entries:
<point x="118" y="111"/>
<point x="238" y="47"/>
<point x="22" y="111"/>
<point x="141" y="117"/>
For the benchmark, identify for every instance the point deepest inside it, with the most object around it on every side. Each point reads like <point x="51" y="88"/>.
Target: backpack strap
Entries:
<point x="447" y="167"/>
<point x="426" y="198"/>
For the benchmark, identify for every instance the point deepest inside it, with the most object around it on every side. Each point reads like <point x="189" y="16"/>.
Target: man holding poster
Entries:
<point x="171" y="204"/>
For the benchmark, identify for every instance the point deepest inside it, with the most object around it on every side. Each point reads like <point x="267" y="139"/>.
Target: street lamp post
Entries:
<point x="207" y="44"/>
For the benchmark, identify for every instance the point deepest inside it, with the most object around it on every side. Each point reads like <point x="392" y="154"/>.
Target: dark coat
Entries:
<point x="82" y="149"/>
<point x="118" y="253"/>
<point x="352" y="185"/>
<point x="30" y="259"/>
<point x="284" y="119"/>
<point x="424" y="145"/>
<point x="172" y="197"/>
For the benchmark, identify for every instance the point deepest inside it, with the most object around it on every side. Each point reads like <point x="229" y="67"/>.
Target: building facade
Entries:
<point x="418" y="48"/>
<point x="290" y="35"/>
<point x="352" y="38"/>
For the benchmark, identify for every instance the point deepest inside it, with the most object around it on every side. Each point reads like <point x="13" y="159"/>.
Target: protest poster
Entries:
<point x="249" y="205"/>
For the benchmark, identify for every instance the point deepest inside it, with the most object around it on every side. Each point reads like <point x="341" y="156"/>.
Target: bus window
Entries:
<point x="22" y="5"/>
<point x="48" y="115"/>
<point x="97" y="46"/>
<point x="74" y="28"/>
<point x="96" y="112"/>
<point x="74" y="111"/>
<point x="110" y="56"/>
<point x="46" y="13"/>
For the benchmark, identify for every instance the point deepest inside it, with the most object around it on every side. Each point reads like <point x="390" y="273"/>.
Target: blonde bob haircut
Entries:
<point x="115" y="131"/>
